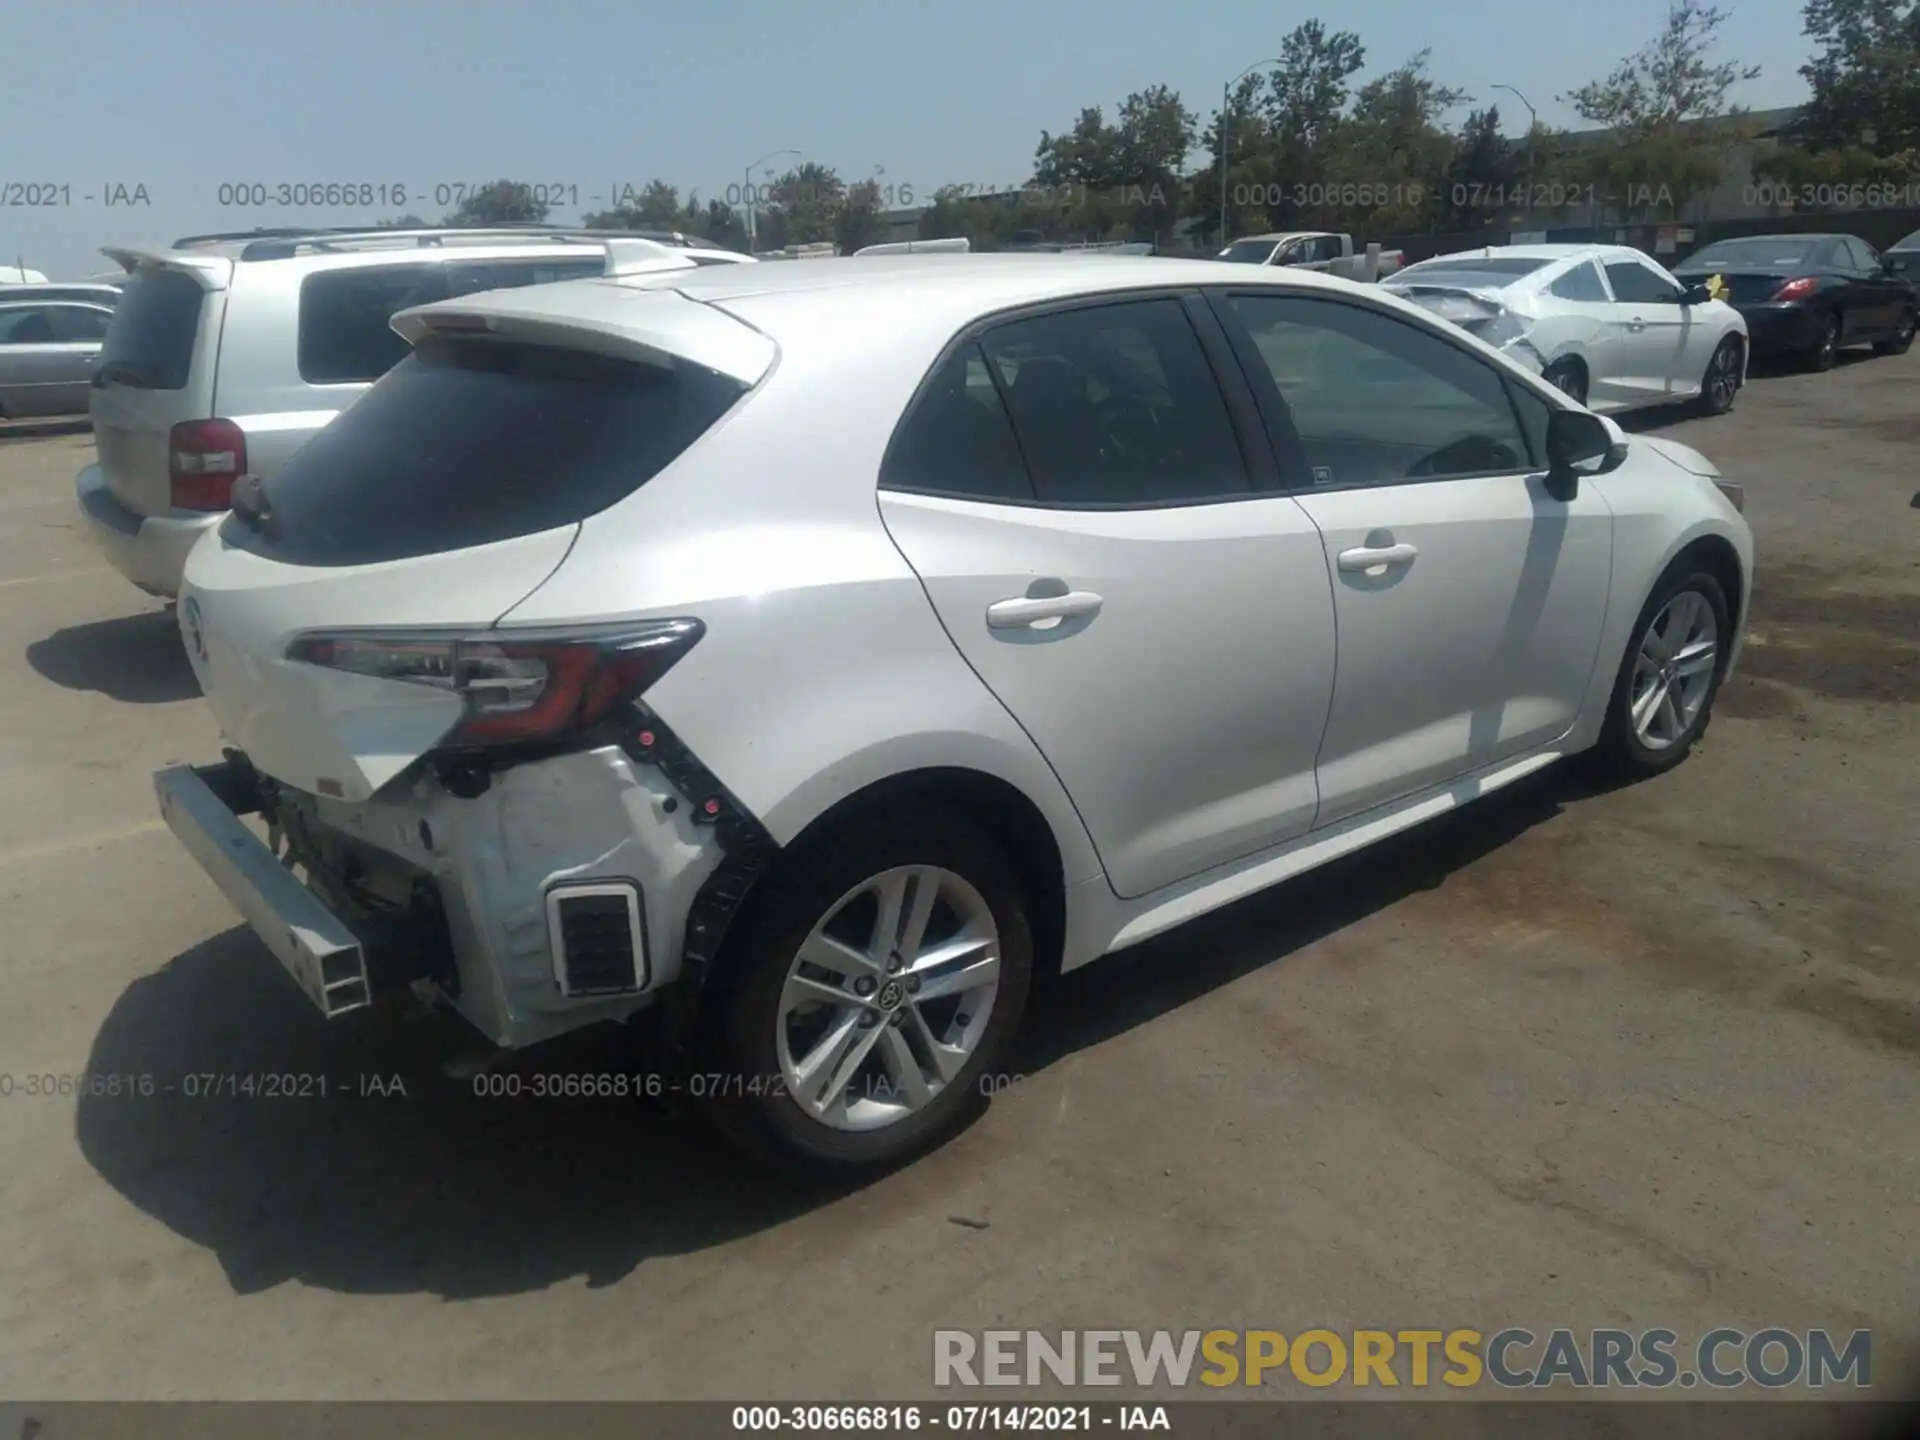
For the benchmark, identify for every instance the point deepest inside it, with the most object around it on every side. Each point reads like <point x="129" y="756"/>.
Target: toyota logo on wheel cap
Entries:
<point x="890" y="995"/>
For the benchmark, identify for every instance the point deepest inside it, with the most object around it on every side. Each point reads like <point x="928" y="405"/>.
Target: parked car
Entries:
<point x="47" y="350"/>
<point x="1603" y="323"/>
<point x="1811" y="296"/>
<point x="282" y="330"/>
<point x="1904" y="257"/>
<point x="1322" y="250"/>
<point x="90" y="292"/>
<point x="818" y="653"/>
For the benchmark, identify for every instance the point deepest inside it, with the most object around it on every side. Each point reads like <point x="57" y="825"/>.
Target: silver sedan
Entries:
<point x="47" y="351"/>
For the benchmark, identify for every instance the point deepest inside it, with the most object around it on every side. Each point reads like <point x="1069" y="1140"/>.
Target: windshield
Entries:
<point x="1249" y="252"/>
<point x="1912" y="242"/>
<point x="1471" y="271"/>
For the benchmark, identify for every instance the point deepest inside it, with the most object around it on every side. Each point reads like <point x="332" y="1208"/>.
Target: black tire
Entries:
<point x="1569" y="377"/>
<point x="1721" y="383"/>
<point x="744" y="1003"/>
<point x="1621" y="753"/>
<point x="1901" y="340"/>
<point x="1827" y="350"/>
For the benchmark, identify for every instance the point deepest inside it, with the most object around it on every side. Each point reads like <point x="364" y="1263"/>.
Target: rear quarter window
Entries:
<point x="468" y="442"/>
<point x="149" y="344"/>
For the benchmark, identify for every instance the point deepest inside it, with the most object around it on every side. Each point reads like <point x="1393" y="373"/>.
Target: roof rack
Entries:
<point x="187" y="242"/>
<point x="282" y="245"/>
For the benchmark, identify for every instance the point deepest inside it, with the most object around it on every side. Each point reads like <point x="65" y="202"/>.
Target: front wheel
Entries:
<point x="1663" y="697"/>
<point x="1901" y="340"/>
<point x="871" y="995"/>
<point x="1722" y="380"/>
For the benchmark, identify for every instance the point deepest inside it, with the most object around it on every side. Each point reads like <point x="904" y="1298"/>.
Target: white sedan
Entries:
<point x="1604" y="323"/>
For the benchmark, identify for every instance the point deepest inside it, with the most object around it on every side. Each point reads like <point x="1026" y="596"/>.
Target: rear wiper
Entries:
<point x="122" y="372"/>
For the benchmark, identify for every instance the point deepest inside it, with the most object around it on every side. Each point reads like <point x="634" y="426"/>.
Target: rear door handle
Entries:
<point x="1373" y="558"/>
<point x="1031" y="610"/>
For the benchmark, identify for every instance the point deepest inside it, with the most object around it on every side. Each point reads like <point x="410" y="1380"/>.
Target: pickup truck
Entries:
<point x="1314" y="250"/>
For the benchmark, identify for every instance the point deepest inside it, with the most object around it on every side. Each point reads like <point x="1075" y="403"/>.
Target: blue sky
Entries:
<point x="182" y="98"/>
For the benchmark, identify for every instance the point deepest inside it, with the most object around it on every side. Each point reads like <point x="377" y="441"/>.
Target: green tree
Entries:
<point x="859" y="222"/>
<point x="1481" y="173"/>
<point x="504" y="202"/>
<point x="1388" y="153"/>
<point x="1655" y="101"/>
<point x="408" y="221"/>
<point x="1304" y="99"/>
<point x="656" y="206"/>
<point x="1124" y="180"/>
<point x="804" y="209"/>
<point x="1862" y="121"/>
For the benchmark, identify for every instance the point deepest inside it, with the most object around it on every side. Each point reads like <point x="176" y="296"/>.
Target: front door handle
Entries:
<point x="1636" y="324"/>
<point x="1036" y="609"/>
<point x="1374" y="557"/>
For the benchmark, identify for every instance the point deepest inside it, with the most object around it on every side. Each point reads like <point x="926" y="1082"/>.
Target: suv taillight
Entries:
<point x="532" y="688"/>
<point x="204" y="458"/>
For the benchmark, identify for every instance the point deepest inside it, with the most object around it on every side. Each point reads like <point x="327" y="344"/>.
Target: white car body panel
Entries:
<point x="1634" y="354"/>
<point x="1240" y="708"/>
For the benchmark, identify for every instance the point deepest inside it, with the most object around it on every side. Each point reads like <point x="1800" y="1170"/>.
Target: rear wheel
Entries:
<point x="1663" y="697"/>
<point x="1827" y="350"/>
<point x="870" y="995"/>
<point x="1901" y="340"/>
<point x="1722" y="381"/>
<point x="1569" y="377"/>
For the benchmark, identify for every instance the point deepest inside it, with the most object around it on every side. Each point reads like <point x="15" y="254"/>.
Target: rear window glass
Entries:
<point x="1493" y="270"/>
<point x="346" y="316"/>
<point x="468" y="442"/>
<point x="149" y="345"/>
<point x="1756" y="254"/>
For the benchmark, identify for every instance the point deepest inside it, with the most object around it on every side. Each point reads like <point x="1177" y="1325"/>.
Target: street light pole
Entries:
<point x="753" y="233"/>
<point x="1533" y="124"/>
<point x="1226" y="105"/>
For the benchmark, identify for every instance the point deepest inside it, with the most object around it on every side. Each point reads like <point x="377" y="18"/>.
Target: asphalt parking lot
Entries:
<point x="1641" y="1058"/>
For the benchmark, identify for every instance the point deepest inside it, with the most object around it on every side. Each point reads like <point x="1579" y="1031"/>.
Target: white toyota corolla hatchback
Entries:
<point x="813" y="655"/>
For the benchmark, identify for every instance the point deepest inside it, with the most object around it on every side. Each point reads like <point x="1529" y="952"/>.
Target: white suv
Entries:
<point x="819" y="652"/>
<point x="227" y="353"/>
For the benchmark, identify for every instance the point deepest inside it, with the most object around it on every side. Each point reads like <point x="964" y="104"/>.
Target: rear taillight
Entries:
<point x="1794" y="289"/>
<point x="528" y="688"/>
<point x="204" y="458"/>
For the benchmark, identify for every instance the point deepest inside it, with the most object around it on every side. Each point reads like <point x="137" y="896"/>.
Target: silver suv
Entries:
<point x="227" y="353"/>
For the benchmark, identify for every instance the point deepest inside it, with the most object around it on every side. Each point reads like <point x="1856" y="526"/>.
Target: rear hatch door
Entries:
<point x="439" y="502"/>
<point x="156" y="369"/>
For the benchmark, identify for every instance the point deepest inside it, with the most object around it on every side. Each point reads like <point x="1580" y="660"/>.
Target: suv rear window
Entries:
<point x="346" y="331"/>
<point x="468" y="442"/>
<point x="149" y="345"/>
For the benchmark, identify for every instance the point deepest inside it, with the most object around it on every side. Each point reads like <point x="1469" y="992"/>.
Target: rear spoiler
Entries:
<point x="959" y="245"/>
<point x="212" y="271"/>
<point x="658" y="327"/>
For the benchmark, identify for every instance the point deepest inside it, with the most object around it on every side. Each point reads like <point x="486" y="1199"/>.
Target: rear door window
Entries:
<point x="470" y="277"/>
<point x="957" y="439"/>
<point x="149" y="345"/>
<point x="77" y="324"/>
<point x="346" y="319"/>
<point x="467" y="442"/>
<point x="1582" y="283"/>
<point x="28" y="325"/>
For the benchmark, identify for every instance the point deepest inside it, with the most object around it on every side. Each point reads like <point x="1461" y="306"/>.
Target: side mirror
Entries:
<point x="1574" y="438"/>
<point x="1696" y="295"/>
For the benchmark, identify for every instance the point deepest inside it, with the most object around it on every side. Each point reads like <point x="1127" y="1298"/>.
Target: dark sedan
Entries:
<point x="1905" y="257"/>
<point x="1811" y="295"/>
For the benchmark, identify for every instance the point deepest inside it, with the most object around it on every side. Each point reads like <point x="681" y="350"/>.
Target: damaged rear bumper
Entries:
<point x="561" y="892"/>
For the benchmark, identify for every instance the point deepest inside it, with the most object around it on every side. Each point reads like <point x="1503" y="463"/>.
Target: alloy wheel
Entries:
<point x="1723" y="376"/>
<point x="1673" y="671"/>
<point x="888" y="998"/>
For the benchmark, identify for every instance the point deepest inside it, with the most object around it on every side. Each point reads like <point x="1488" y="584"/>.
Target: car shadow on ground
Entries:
<point x="134" y="658"/>
<point x="398" y="1180"/>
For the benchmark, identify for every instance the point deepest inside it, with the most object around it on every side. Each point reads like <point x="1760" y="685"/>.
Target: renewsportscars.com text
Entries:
<point x="1511" y="1358"/>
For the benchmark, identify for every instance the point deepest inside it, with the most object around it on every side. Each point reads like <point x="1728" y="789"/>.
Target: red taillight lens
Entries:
<point x="204" y="458"/>
<point x="531" y="688"/>
<point x="1794" y="289"/>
